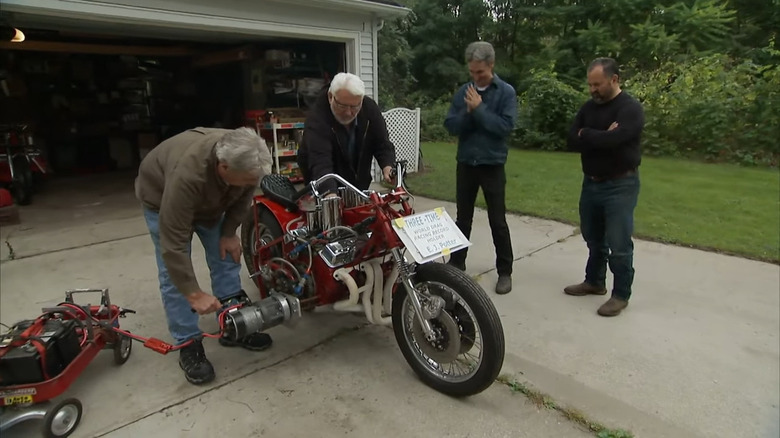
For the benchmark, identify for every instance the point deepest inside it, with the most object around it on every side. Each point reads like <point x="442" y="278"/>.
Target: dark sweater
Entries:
<point x="608" y="153"/>
<point x="325" y="144"/>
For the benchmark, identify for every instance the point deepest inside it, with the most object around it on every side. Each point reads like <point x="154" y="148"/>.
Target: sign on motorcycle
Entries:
<point x="430" y="235"/>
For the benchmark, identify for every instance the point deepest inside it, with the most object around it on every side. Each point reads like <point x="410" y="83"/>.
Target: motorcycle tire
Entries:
<point x="22" y="185"/>
<point x="267" y="224"/>
<point x="484" y="318"/>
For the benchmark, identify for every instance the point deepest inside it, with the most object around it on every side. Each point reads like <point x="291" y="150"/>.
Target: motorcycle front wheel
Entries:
<point x="467" y="352"/>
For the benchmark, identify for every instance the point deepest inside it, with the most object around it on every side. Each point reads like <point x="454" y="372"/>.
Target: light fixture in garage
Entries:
<point x="18" y="36"/>
<point x="11" y="34"/>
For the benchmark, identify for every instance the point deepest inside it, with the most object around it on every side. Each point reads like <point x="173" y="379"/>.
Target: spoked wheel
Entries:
<point x="122" y="349"/>
<point x="467" y="351"/>
<point x="22" y="186"/>
<point x="62" y="420"/>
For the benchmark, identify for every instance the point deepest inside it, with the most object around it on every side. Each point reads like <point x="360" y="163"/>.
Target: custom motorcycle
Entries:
<point x="367" y="251"/>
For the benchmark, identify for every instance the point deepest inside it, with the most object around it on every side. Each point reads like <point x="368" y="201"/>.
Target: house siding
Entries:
<point x="366" y="60"/>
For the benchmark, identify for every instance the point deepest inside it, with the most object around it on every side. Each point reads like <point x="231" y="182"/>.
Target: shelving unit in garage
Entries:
<point x="286" y="141"/>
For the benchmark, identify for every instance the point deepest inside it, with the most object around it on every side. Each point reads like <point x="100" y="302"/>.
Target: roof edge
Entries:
<point x="381" y="10"/>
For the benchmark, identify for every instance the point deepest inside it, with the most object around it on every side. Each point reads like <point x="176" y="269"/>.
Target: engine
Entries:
<point x="320" y="244"/>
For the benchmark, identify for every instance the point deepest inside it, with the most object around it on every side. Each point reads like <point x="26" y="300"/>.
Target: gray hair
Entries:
<point x="347" y="81"/>
<point x="608" y="65"/>
<point x="480" y="51"/>
<point x="243" y="150"/>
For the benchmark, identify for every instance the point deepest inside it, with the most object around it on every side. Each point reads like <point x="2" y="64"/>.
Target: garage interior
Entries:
<point x="95" y="100"/>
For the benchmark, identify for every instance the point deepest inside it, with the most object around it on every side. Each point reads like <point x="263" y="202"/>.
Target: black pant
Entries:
<point x="492" y="180"/>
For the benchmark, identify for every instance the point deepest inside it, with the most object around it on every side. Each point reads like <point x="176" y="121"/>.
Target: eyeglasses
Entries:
<point x="344" y="106"/>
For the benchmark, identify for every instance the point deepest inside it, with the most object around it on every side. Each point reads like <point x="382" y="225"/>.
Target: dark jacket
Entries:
<point x="482" y="134"/>
<point x="324" y="146"/>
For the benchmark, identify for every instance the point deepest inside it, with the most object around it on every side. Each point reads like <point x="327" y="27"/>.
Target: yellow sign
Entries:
<point x="17" y="400"/>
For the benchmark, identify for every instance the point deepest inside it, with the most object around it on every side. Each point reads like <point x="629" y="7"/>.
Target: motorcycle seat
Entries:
<point x="281" y="190"/>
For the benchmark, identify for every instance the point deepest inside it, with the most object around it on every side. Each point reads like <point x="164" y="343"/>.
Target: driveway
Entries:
<point x="696" y="354"/>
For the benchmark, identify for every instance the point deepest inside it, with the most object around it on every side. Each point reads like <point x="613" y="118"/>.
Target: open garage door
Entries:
<point x="96" y="86"/>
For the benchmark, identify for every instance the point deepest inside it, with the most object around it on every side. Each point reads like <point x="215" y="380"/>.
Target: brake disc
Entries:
<point x="446" y="346"/>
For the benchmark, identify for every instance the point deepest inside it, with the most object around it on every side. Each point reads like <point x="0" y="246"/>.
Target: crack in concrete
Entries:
<point x="561" y="240"/>
<point x="54" y="251"/>
<point x="339" y="333"/>
<point x="11" y="254"/>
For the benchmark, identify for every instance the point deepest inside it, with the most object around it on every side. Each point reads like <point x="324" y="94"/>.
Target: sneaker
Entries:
<point x="582" y="289"/>
<point x="504" y="284"/>
<point x="612" y="307"/>
<point x="254" y="342"/>
<point x="192" y="359"/>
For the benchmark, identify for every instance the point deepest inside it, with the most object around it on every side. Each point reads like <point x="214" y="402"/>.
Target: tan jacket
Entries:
<point x="178" y="179"/>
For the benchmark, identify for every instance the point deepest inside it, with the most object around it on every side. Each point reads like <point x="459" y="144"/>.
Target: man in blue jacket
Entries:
<point x="483" y="114"/>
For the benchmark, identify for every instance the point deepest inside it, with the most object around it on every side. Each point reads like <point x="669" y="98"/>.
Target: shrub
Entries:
<point x="713" y="108"/>
<point x="546" y="110"/>
<point x="432" y="120"/>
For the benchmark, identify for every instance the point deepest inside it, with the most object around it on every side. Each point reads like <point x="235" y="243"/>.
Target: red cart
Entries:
<point x="95" y="329"/>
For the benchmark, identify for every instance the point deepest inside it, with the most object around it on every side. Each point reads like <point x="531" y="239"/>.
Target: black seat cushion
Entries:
<point x="281" y="190"/>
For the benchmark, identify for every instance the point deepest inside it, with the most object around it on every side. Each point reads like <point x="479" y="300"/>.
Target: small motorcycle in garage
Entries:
<point x="20" y="162"/>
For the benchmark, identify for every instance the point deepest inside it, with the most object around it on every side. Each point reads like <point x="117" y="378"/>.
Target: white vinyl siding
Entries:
<point x="367" y="58"/>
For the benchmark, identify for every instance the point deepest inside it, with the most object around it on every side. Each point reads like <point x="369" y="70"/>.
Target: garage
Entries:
<point x="88" y="88"/>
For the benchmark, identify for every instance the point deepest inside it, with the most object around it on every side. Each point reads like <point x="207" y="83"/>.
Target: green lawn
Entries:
<point x="725" y="208"/>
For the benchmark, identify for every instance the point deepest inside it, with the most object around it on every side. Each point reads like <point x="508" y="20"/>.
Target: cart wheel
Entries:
<point x="122" y="349"/>
<point x="62" y="420"/>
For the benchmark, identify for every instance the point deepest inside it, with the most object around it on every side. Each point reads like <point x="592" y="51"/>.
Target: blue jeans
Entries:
<point x="607" y="223"/>
<point x="225" y="278"/>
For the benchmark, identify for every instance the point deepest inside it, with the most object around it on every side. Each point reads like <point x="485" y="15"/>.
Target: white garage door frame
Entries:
<point x="126" y="15"/>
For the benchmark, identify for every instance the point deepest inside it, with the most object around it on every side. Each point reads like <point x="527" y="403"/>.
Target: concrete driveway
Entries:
<point x="696" y="354"/>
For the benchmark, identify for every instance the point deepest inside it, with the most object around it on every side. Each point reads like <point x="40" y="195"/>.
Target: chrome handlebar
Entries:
<point x="398" y="173"/>
<point x="316" y="183"/>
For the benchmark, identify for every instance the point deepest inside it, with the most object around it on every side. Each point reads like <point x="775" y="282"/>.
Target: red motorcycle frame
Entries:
<point x="305" y="249"/>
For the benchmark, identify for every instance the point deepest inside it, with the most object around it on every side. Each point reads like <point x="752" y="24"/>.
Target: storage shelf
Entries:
<point x="279" y="152"/>
<point x="277" y="126"/>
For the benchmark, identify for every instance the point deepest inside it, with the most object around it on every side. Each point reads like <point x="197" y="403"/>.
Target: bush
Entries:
<point x="432" y="118"/>
<point x="713" y="108"/>
<point x="546" y="110"/>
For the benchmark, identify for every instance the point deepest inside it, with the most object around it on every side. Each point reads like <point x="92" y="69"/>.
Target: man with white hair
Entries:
<point x="344" y="131"/>
<point x="200" y="181"/>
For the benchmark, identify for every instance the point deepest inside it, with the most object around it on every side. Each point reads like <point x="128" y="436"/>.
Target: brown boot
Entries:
<point x="612" y="307"/>
<point x="582" y="289"/>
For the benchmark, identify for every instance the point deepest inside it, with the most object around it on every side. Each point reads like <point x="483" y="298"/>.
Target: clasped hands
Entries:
<point x="472" y="99"/>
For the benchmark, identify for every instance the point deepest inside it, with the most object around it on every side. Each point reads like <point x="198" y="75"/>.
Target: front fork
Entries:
<point x="434" y="304"/>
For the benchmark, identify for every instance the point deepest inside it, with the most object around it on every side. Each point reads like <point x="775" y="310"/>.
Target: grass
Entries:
<point x="717" y="207"/>
<point x="544" y="401"/>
